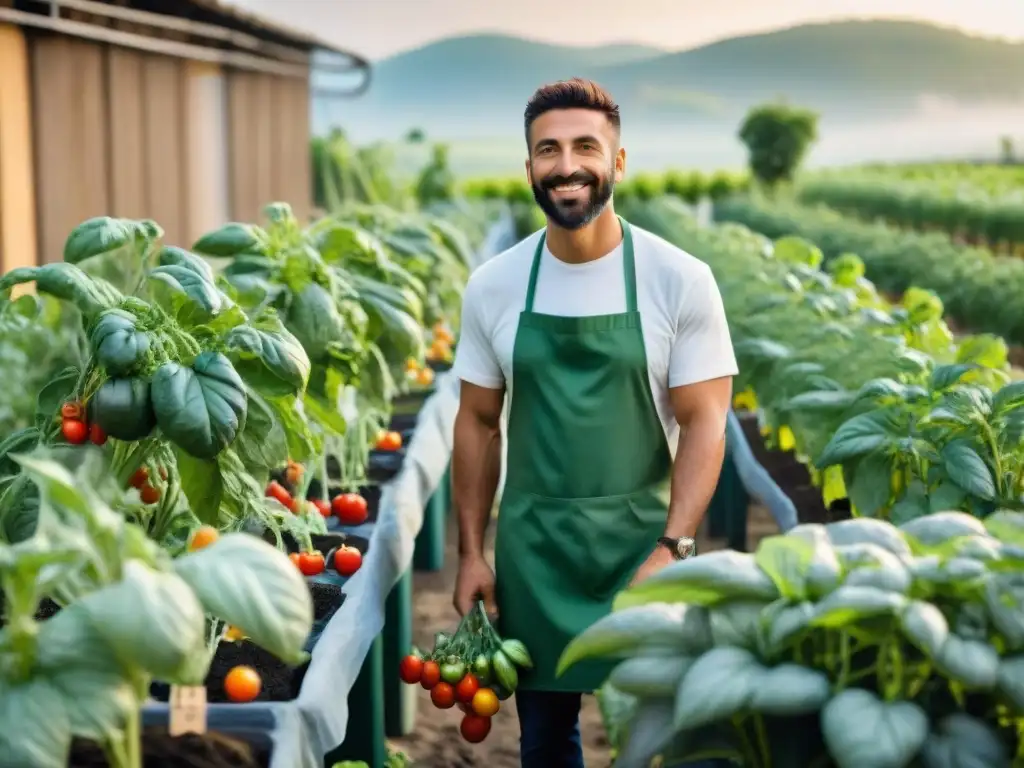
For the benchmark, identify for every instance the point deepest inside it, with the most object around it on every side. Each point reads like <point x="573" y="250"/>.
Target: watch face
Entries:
<point x="685" y="547"/>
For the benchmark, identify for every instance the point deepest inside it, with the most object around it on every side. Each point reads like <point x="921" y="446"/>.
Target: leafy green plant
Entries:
<point x="851" y="644"/>
<point x="777" y="137"/>
<point x="130" y="613"/>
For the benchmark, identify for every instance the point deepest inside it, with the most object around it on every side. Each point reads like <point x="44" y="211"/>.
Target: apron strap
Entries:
<point x="628" y="268"/>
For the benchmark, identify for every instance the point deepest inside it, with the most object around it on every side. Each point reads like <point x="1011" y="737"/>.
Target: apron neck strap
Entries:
<point x="628" y="268"/>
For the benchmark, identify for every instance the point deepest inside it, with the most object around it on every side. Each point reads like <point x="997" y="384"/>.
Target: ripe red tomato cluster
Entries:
<point x="345" y="560"/>
<point x="478" y="704"/>
<point x="75" y="427"/>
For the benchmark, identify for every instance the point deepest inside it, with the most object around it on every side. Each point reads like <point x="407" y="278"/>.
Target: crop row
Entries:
<point x="213" y="414"/>
<point x="965" y="213"/>
<point x="893" y="638"/>
<point x="981" y="291"/>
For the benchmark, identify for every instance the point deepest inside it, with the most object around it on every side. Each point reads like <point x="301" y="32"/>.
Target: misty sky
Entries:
<point x="379" y="28"/>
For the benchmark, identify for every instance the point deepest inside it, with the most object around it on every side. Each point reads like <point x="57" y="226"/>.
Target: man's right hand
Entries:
<point x="474" y="582"/>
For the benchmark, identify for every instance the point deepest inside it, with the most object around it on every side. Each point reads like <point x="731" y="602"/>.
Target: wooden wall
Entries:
<point x="129" y="133"/>
<point x="17" y="199"/>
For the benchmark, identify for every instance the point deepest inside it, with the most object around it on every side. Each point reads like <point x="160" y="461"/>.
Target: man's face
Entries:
<point x="574" y="164"/>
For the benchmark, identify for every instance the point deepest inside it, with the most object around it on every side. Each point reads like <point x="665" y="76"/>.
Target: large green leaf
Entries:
<point x="202" y="485"/>
<point x="925" y="626"/>
<point x="737" y="623"/>
<point x="790" y="689"/>
<point x="943" y="527"/>
<point x="968" y="470"/>
<point x="869" y="490"/>
<point x="1004" y="597"/>
<point x="268" y="357"/>
<point x="649" y="677"/>
<point x="868" y="531"/>
<point x="862" y="730"/>
<point x="974" y="663"/>
<point x="152" y="621"/>
<point x="786" y="560"/>
<point x="36" y="729"/>
<point x="824" y="571"/>
<point x="860" y="436"/>
<point x="253" y="586"/>
<point x="718" y="685"/>
<point x="704" y="580"/>
<point x="262" y="443"/>
<point x="186" y="295"/>
<point x="850" y="605"/>
<point x="962" y="741"/>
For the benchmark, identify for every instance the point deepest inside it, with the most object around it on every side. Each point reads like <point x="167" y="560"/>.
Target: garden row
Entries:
<point x="893" y="638"/>
<point x="981" y="291"/>
<point x="963" y="212"/>
<point x="187" y="498"/>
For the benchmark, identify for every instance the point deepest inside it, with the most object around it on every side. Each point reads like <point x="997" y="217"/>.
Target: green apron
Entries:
<point x="586" y="481"/>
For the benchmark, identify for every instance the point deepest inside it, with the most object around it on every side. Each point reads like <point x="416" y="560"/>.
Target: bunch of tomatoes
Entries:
<point x="473" y="669"/>
<point x="75" y="427"/>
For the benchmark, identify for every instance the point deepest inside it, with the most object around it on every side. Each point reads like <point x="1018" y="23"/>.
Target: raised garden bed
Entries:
<point x="161" y="750"/>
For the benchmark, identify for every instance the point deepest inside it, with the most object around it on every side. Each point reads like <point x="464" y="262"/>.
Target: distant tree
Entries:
<point x="436" y="181"/>
<point x="777" y="137"/>
<point x="416" y="136"/>
<point x="1007" y="152"/>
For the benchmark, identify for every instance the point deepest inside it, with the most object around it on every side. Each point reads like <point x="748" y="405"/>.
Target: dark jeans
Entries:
<point x="549" y="727"/>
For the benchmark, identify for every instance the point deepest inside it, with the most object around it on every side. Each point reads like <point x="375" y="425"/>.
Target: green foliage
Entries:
<point x="777" y="138"/>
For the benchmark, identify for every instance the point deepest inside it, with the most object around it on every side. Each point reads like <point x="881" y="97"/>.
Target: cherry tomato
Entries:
<point x="410" y="669"/>
<point x="467" y="688"/>
<point x="485" y="703"/>
<point x="139" y="478"/>
<point x="72" y="410"/>
<point x="323" y="507"/>
<point x="294" y="557"/>
<point x="75" y="431"/>
<point x="149" y="494"/>
<point x="293" y="473"/>
<point x="443" y="696"/>
<point x="96" y="434"/>
<point x="204" y="536"/>
<point x="474" y="728"/>
<point x="425" y="377"/>
<point x="233" y="634"/>
<point x="350" y="508"/>
<point x="277" y="491"/>
<point x="430" y="675"/>
<point x="242" y="684"/>
<point x="389" y="441"/>
<point x="311" y="563"/>
<point x="347" y="560"/>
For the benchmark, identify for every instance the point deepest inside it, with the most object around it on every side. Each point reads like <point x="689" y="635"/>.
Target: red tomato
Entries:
<point x="75" y="431"/>
<point x="311" y="563"/>
<point x="474" y="728"/>
<point x="443" y="696"/>
<point x="322" y="507"/>
<point x="467" y="688"/>
<point x="277" y="491"/>
<point x="139" y="478"/>
<point x="347" y="560"/>
<point x="350" y="508"/>
<point x="96" y="434"/>
<point x="72" y="410"/>
<point x="410" y="669"/>
<point x="389" y="441"/>
<point x="431" y="674"/>
<point x="149" y="494"/>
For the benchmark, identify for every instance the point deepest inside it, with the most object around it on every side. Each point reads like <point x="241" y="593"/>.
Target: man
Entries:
<point x="613" y="348"/>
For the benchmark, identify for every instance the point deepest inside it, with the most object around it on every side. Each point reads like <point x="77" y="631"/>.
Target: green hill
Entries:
<point x="866" y="71"/>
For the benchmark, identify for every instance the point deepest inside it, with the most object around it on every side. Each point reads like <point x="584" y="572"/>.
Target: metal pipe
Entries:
<point x="155" y="45"/>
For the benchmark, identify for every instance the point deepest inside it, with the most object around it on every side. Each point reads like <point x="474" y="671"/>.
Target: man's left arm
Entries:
<point x="701" y="367"/>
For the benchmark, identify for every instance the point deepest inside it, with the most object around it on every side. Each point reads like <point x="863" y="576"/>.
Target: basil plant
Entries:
<point x="852" y="644"/>
<point x="129" y="613"/>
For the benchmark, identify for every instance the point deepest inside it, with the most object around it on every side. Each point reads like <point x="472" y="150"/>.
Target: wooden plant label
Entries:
<point x="188" y="710"/>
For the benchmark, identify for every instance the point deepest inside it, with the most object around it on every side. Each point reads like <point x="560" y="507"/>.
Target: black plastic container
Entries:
<point x="237" y="748"/>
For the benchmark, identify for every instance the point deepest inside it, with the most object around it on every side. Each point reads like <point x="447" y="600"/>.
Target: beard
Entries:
<point x="574" y="213"/>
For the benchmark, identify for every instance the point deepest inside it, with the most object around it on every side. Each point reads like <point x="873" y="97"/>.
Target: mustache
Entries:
<point x="577" y="177"/>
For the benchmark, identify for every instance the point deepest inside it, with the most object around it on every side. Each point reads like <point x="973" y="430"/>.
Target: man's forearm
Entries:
<point x="476" y="468"/>
<point x="695" y="473"/>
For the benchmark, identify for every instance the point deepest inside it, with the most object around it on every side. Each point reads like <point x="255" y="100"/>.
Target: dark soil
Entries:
<point x="160" y="750"/>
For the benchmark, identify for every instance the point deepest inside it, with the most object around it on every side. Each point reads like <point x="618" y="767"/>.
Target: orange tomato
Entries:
<point x="204" y="536"/>
<point x="294" y="557"/>
<point x="443" y="696"/>
<point x="412" y="364"/>
<point x="233" y="634"/>
<point x="425" y="377"/>
<point x="72" y="410"/>
<point x="475" y="728"/>
<point x="242" y="684"/>
<point x="485" y="703"/>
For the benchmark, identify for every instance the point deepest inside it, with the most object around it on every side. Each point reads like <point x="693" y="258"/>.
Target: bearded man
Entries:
<point x="613" y="349"/>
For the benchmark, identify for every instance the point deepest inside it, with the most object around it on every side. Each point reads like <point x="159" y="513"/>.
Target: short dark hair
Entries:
<point x="576" y="93"/>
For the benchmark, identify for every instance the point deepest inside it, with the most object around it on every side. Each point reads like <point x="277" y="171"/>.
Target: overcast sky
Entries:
<point x="379" y="28"/>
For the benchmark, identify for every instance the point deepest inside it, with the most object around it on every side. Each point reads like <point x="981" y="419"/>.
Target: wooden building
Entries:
<point x="189" y="112"/>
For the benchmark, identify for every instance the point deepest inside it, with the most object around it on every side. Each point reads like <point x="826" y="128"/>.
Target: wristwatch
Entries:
<point x="680" y="548"/>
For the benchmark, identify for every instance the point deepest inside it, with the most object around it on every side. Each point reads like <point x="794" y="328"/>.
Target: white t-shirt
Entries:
<point x="685" y="332"/>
